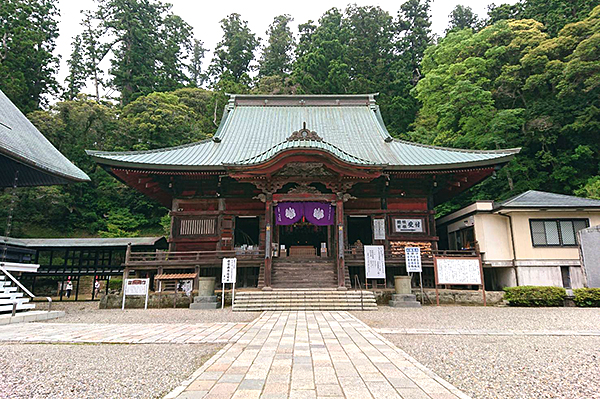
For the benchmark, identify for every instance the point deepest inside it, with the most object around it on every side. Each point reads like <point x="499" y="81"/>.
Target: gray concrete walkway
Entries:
<point x="313" y="355"/>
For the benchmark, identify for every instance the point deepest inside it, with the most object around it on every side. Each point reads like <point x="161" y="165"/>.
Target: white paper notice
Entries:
<point x="374" y="261"/>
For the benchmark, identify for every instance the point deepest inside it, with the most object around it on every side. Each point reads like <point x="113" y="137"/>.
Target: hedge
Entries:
<point x="587" y="297"/>
<point x="529" y="295"/>
<point x="115" y="284"/>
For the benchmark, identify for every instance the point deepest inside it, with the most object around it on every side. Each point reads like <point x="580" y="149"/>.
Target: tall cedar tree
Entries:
<point x="277" y="56"/>
<point x="235" y="51"/>
<point x="462" y="17"/>
<point x="149" y="46"/>
<point x="197" y="76"/>
<point x="28" y="32"/>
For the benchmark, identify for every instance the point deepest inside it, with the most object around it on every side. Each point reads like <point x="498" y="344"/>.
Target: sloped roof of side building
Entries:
<point x="24" y="148"/>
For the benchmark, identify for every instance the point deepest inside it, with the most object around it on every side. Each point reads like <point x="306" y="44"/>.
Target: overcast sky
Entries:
<point x="204" y="17"/>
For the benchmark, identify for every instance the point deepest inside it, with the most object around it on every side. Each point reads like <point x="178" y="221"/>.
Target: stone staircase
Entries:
<point x="9" y="293"/>
<point x="302" y="273"/>
<point x="303" y="299"/>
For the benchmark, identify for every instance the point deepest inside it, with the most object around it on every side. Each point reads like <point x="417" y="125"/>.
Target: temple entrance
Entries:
<point x="304" y="239"/>
<point x="360" y="230"/>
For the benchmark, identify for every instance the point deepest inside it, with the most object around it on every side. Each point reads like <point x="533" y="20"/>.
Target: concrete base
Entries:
<point x="205" y="302"/>
<point x="35" y="315"/>
<point x="204" y="305"/>
<point x="404" y="301"/>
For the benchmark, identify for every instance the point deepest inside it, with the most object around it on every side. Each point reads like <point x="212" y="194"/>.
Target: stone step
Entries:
<point x="11" y="295"/>
<point x="298" y="299"/>
<point x="21" y="306"/>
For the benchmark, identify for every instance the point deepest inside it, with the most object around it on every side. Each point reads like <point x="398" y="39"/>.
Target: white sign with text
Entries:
<point x="374" y="261"/>
<point x="413" y="259"/>
<point x="458" y="271"/>
<point x="408" y="225"/>
<point x="136" y="286"/>
<point x="229" y="270"/>
<point x="379" y="229"/>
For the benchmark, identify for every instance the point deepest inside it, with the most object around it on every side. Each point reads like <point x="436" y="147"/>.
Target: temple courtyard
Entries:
<point x="432" y="352"/>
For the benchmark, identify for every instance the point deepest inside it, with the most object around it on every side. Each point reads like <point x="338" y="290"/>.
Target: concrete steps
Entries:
<point x="9" y="294"/>
<point x="300" y="299"/>
<point x="303" y="273"/>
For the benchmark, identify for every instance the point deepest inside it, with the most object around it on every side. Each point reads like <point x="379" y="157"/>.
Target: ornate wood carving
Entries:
<point x="304" y="188"/>
<point x="304" y="134"/>
<point x="304" y="169"/>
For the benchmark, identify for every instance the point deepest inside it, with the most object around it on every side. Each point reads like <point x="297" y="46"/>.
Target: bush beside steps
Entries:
<point x="533" y="296"/>
<point x="587" y="297"/>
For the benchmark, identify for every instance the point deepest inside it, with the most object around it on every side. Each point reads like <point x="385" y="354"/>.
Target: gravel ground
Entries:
<point x="488" y="367"/>
<point x="97" y="371"/>
<point x="88" y="312"/>
<point x="480" y="318"/>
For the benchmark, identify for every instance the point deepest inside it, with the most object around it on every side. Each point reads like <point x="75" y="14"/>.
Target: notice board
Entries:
<point x="374" y="261"/>
<point x="458" y="271"/>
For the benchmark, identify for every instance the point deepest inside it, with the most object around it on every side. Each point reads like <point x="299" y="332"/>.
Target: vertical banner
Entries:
<point x="228" y="276"/>
<point x="374" y="262"/>
<point x="379" y="229"/>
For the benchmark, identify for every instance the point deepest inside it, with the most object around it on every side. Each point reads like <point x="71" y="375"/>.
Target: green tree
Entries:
<point x="197" y="76"/>
<point x="414" y="28"/>
<point x="235" y="51"/>
<point x="320" y="65"/>
<point x="556" y="14"/>
<point x="511" y="85"/>
<point x="462" y="17"/>
<point x="77" y="72"/>
<point x="28" y="32"/>
<point x="277" y="55"/>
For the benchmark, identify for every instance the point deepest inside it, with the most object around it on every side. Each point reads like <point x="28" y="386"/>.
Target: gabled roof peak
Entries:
<point x="543" y="199"/>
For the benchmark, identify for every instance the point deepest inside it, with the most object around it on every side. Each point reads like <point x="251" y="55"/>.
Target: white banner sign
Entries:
<point x="229" y="270"/>
<point x="379" y="229"/>
<point x="413" y="259"/>
<point x="136" y="286"/>
<point x="408" y="225"/>
<point x="374" y="261"/>
<point x="458" y="271"/>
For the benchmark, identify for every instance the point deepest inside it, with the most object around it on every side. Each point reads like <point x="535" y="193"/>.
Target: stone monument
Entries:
<point x="403" y="298"/>
<point x="206" y="298"/>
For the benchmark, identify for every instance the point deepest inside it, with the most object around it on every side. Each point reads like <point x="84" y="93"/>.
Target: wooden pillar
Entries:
<point x="268" y="241"/>
<point x="339" y="218"/>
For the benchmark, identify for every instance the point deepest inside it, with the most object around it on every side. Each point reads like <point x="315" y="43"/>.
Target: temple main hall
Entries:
<point x="294" y="186"/>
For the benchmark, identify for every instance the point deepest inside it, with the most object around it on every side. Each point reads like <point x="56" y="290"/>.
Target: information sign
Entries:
<point x="374" y="262"/>
<point x="413" y="259"/>
<point x="458" y="271"/>
<point x="136" y="286"/>
<point x="408" y="225"/>
<point x="229" y="270"/>
<point x="379" y="229"/>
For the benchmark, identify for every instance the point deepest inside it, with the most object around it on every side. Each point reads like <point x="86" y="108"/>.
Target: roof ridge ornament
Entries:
<point x="305" y="135"/>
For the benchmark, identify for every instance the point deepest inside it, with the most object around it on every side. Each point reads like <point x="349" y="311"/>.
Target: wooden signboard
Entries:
<point x="458" y="271"/>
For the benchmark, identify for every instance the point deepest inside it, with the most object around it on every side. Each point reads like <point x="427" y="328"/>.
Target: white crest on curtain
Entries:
<point x="319" y="213"/>
<point x="290" y="213"/>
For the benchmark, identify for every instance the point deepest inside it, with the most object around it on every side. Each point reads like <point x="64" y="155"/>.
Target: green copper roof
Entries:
<point x="23" y="147"/>
<point x="255" y="128"/>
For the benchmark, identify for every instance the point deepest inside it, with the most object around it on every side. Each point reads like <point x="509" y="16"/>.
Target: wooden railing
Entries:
<point x="190" y="257"/>
<point x="427" y="256"/>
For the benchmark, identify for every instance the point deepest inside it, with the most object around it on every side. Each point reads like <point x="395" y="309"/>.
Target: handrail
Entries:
<point x="22" y="288"/>
<point x="357" y="284"/>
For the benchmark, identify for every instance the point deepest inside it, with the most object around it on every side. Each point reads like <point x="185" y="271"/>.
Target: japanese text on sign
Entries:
<point x="413" y="259"/>
<point x="229" y="270"/>
<point x="379" y="229"/>
<point x="458" y="271"/>
<point x="374" y="261"/>
<point x="136" y="286"/>
<point x="408" y="225"/>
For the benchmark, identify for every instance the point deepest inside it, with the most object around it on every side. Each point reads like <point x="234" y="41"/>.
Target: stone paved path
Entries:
<point x="313" y="355"/>
<point x="122" y="333"/>
<point x="543" y="333"/>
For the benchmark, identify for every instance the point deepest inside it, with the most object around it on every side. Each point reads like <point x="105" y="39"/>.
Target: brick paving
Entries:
<point x="122" y="333"/>
<point x="316" y="354"/>
<point x="542" y="333"/>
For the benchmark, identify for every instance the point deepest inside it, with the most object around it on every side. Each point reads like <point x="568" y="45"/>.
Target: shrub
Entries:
<point x="115" y="284"/>
<point x="535" y="296"/>
<point x="587" y="297"/>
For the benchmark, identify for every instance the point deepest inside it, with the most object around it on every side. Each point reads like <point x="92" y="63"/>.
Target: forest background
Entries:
<point x="525" y="75"/>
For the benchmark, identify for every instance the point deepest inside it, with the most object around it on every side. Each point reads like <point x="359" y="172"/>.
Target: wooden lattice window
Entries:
<point x="198" y="227"/>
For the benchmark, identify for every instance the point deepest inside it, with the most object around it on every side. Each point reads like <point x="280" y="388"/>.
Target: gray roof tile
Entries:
<point x="542" y="199"/>
<point x="22" y="142"/>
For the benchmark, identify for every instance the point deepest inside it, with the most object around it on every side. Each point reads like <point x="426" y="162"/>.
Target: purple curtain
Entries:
<point x="319" y="213"/>
<point x="287" y="213"/>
